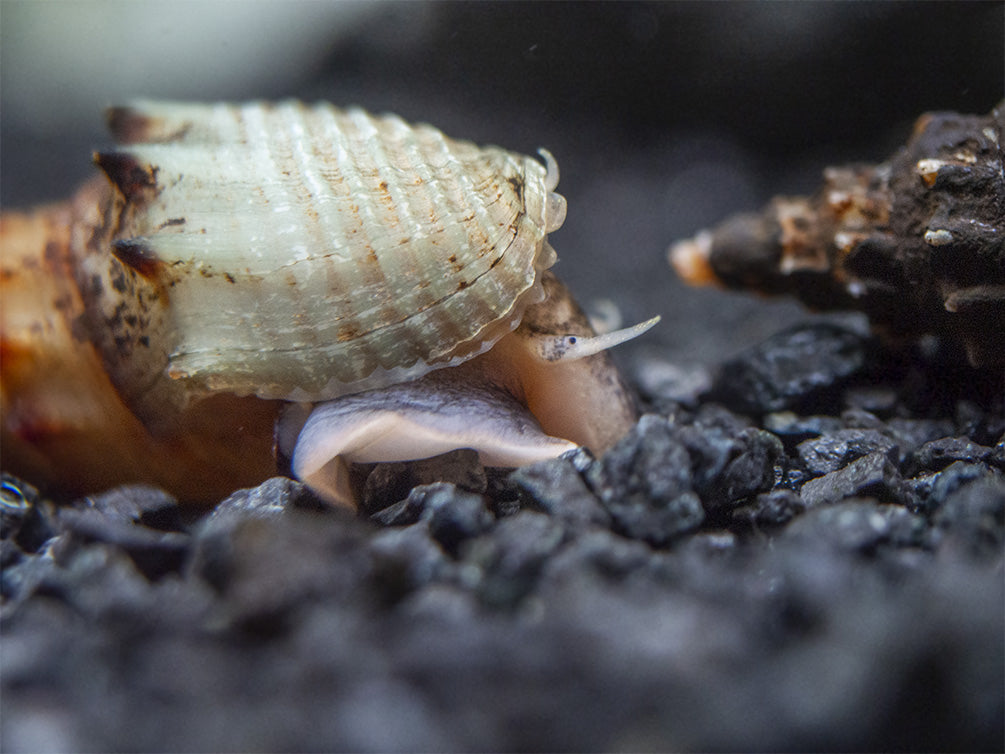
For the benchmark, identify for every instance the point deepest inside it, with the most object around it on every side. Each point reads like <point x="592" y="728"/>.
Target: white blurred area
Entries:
<point x="62" y="62"/>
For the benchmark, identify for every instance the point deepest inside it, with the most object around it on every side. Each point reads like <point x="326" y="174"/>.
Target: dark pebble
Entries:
<point x="404" y="512"/>
<point x="937" y="454"/>
<point x="21" y="573"/>
<point x="644" y="482"/>
<point x="859" y="418"/>
<point x="454" y="515"/>
<point x="997" y="457"/>
<point x="796" y="367"/>
<point x="512" y="555"/>
<point x="270" y="498"/>
<point x="17" y="501"/>
<point x="660" y="380"/>
<point x="974" y="515"/>
<point x="771" y="509"/>
<point x="557" y="488"/>
<point x="650" y="464"/>
<point x="750" y="470"/>
<point x="658" y="525"/>
<point x="406" y="559"/>
<point x="138" y="504"/>
<point x="793" y="428"/>
<point x="35" y="526"/>
<point x="974" y="420"/>
<point x="599" y="553"/>
<point x="912" y="433"/>
<point x="264" y="569"/>
<point x="952" y="478"/>
<point x="388" y="483"/>
<point x="872" y="475"/>
<point x="710" y="450"/>
<point x="860" y="525"/>
<point x="156" y="553"/>
<point x="835" y="450"/>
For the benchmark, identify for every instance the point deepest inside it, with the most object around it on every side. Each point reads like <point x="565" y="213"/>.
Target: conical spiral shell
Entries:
<point x="917" y="242"/>
<point x="301" y="252"/>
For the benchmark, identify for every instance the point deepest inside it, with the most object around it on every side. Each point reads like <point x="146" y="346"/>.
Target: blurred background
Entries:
<point x="664" y="117"/>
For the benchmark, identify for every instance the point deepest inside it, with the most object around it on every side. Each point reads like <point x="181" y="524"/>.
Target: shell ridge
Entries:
<point x="399" y="262"/>
<point x="253" y="348"/>
<point x="377" y="217"/>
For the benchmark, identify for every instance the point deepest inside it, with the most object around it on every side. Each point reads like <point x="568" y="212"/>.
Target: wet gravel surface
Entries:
<point x="814" y="564"/>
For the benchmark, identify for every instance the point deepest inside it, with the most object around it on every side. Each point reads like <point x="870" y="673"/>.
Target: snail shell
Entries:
<point x="302" y="252"/>
<point x="917" y="242"/>
<point x="244" y="256"/>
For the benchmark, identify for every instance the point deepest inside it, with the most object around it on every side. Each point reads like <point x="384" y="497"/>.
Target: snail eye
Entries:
<point x="571" y="340"/>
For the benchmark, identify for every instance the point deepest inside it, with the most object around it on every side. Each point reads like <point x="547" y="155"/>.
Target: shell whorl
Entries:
<point x="301" y="251"/>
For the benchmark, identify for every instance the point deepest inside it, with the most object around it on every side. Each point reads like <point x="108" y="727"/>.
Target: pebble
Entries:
<point x="872" y="474"/>
<point x="793" y="368"/>
<point x="935" y="455"/>
<point x="644" y="483"/>
<point x="834" y="450"/>
<point x="974" y="514"/>
<point x="556" y="487"/>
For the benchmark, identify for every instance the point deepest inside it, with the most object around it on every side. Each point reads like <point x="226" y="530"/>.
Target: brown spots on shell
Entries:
<point x="516" y="182"/>
<point x="138" y="255"/>
<point x="346" y="332"/>
<point x="136" y="181"/>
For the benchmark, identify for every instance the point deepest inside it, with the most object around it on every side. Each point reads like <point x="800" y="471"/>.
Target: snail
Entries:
<point x="325" y="284"/>
<point x="917" y="242"/>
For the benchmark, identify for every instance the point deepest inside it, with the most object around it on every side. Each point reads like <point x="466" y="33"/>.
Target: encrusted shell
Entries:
<point x="301" y="251"/>
<point x="917" y="242"/>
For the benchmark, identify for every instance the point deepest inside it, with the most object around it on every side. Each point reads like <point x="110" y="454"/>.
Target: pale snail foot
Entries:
<point x="416" y="420"/>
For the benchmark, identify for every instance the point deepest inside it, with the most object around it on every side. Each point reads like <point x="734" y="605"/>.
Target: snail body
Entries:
<point x="237" y="259"/>
<point x="916" y="242"/>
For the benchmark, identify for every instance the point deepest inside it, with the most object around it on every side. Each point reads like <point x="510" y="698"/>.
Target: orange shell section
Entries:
<point x="64" y="426"/>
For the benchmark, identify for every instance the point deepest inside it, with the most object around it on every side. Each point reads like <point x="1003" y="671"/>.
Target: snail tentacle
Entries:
<point x="573" y="347"/>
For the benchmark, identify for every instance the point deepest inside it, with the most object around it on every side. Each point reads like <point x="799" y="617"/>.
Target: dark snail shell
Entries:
<point x="917" y="242"/>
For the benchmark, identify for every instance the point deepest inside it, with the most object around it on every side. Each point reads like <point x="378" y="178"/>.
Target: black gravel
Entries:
<point x="718" y="581"/>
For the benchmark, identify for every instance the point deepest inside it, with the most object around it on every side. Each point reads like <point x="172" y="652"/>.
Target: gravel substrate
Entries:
<point x="810" y="563"/>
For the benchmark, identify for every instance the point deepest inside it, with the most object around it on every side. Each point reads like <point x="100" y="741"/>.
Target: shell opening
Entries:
<point x="572" y="347"/>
